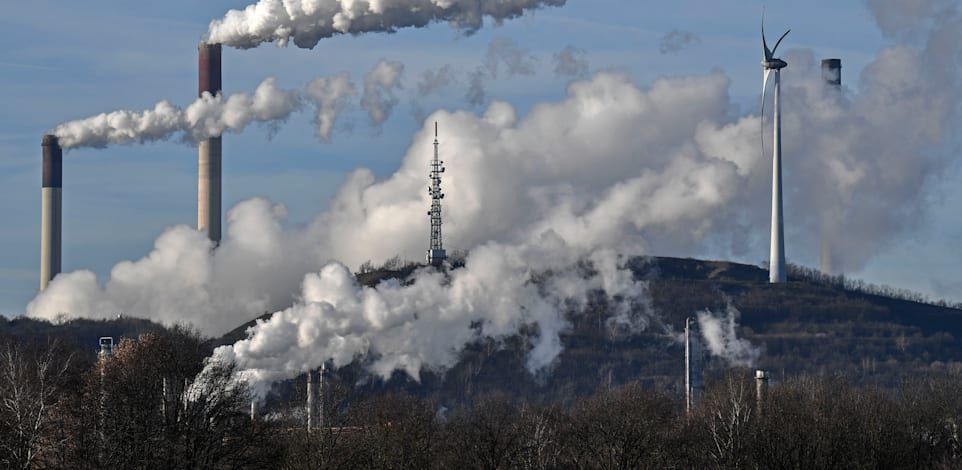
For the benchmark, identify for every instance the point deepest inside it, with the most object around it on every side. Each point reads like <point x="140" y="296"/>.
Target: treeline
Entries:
<point x="150" y="406"/>
<point x="840" y="281"/>
<point x="812" y="422"/>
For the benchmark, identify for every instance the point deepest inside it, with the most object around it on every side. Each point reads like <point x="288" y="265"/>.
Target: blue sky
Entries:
<point x="68" y="60"/>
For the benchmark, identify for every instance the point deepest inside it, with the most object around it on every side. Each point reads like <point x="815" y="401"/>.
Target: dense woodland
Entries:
<point x="863" y="376"/>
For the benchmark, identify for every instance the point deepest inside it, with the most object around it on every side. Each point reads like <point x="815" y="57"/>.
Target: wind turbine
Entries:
<point x="773" y="65"/>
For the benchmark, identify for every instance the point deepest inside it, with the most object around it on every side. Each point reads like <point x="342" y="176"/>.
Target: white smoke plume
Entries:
<point x="208" y="116"/>
<point x="518" y="194"/>
<point x="379" y="86"/>
<point x="865" y="170"/>
<point x="720" y="336"/>
<point x="306" y="22"/>
<point x="428" y="322"/>
<point x="611" y="168"/>
<point x="330" y="96"/>
<point x="571" y="62"/>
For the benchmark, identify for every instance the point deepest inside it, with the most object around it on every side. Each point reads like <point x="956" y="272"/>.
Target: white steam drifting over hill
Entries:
<point x="518" y="192"/>
<point x="612" y="169"/>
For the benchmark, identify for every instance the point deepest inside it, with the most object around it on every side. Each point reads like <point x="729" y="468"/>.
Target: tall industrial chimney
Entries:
<point x="832" y="76"/>
<point x="209" y="151"/>
<point x="51" y="210"/>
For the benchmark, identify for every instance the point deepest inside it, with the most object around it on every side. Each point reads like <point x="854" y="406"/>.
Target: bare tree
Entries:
<point x="30" y="395"/>
<point x="728" y="414"/>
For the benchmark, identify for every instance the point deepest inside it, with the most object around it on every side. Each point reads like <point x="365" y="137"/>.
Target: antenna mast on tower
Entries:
<point x="436" y="253"/>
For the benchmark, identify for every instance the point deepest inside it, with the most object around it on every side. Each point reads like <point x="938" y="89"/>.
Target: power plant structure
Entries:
<point x="774" y="66"/>
<point x="832" y="77"/>
<point x="436" y="254"/>
<point x="51" y="212"/>
<point x="209" y="151"/>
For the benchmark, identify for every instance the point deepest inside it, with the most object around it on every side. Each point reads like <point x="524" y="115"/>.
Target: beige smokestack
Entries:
<point x="51" y="212"/>
<point x="209" y="151"/>
<point x="832" y="76"/>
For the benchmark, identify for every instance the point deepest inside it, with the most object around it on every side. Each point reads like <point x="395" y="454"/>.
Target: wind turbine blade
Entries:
<point x="780" y="41"/>
<point x="766" y="51"/>
<point x="761" y="116"/>
<point x="765" y="88"/>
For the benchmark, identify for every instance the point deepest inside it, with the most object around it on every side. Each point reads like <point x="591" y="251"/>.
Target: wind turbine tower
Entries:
<point x="436" y="254"/>
<point x="774" y="66"/>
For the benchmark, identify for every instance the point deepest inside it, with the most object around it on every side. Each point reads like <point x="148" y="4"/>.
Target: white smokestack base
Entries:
<point x="51" y="212"/>
<point x="209" y="151"/>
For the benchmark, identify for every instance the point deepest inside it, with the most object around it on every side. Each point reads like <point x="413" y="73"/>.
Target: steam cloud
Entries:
<point x="306" y="22"/>
<point x="330" y="95"/>
<point x="501" y="171"/>
<point x="722" y="340"/>
<point x="210" y="116"/>
<point x="865" y="169"/>
<point x="379" y="85"/>
<point x="672" y="171"/>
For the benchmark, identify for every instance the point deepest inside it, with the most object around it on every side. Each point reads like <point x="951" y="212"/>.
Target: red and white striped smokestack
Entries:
<point x="51" y="212"/>
<point x="209" y="151"/>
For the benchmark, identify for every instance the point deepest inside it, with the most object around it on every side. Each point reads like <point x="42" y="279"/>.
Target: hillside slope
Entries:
<point x="803" y="326"/>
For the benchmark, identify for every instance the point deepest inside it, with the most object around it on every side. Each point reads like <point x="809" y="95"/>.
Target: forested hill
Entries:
<point x="812" y="323"/>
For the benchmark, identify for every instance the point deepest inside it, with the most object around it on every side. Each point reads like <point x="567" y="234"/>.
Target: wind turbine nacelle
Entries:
<point x="774" y="64"/>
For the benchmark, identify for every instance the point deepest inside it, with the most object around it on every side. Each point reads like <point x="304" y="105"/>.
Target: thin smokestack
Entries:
<point x="310" y="401"/>
<point x="51" y="210"/>
<point x="693" y="378"/>
<point x="832" y="71"/>
<point x="832" y="75"/>
<point x="209" y="151"/>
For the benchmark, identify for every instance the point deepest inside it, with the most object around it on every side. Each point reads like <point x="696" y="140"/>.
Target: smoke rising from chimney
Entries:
<point x="720" y="336"/>
<point x="208" y="116"/>
<point x="306" y="22"/>
<point x="673" y="171"/>
<point x="592" y="215"/>
<point x="211" y="116"/>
